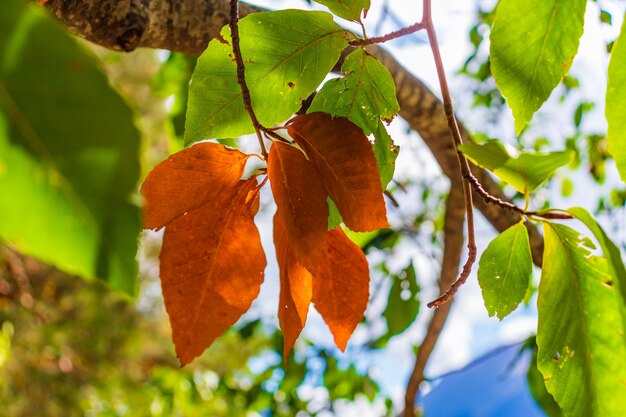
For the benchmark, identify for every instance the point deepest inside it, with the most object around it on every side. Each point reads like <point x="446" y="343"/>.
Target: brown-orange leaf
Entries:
<point x="188" y="179"/>
<point x="301" y="201"/>
<point x="212" y="267"/>
<point x="345" y="158"/>
<point x="295" y="288"/>
<point x="341" y="286"/>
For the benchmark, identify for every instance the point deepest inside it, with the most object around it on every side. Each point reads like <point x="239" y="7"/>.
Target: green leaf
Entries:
<point x="582" y="350"/>
<point x="504" y="271"/>
<point x="364" y="95"/>
<point x="403" y="303"/>
<point x="533" y="44"/>
<point x="347" y="9"/>
<point x="287" y="54"/>
<point x="525" y="172"/>
<point x="616" y="103"/>
<point x="68" y="152"/>
<point x="610" y="251"/>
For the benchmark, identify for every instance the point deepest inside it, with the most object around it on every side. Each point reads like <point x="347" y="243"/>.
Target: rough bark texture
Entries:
<point x="183" y="26"/>
<point x="187" y="26"/>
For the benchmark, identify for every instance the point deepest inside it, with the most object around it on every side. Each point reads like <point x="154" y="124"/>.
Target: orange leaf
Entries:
<point x="345" y="158"/>
<point x="188" y="179"/>
<point x="295" y="288"/>
<point x="341" y="286"/>
<point x="301" y="201"/>
<point x="212" y="267"/>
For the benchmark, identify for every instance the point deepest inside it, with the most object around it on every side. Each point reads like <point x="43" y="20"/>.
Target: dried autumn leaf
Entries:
<point x="341" y="286"/>
<point x="212" y="267"/>
<point x="189" y="179"/>
<point x="295" y="287"/>
<point x="344" y="157"/>
<point x="301" y="201"/>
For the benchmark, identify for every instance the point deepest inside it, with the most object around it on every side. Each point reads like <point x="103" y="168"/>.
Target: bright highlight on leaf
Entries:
<point x="341" y="286"/>
<point x="212" y="267"/>
<point x="525" y="172"/>
<point x="188" y="180"/>
<point x="610" y="251"/>
<point x="344" y="157"/>
<point x="301" y="201"/>
<point x="281" y="70"/>
<point x="580" y="335"/>
<point x="364" y="95"/>
<point x="615" y="103"/>
<point x="347" y="9"/>
<point x="533" y="44"/>
<point x="504" y="271"/>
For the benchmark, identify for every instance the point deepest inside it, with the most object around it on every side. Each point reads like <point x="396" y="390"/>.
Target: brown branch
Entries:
<point x="462" y="161"/>
<point x="241" y="70"/>
<point x="453" y="247"/>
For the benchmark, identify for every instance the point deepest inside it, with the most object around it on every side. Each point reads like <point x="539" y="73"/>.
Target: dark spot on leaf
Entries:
<point x="608" y="284"/>
<point x="221" y="39"/>
<point x="291" y="85"/>
<point x="556" y="356"/>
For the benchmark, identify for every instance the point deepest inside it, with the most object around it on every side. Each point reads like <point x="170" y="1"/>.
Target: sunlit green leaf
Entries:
<point x="533" y="44"/>
<point x="505" y="269"/>
<point x="348" y="9"/>
<point x="68" y="152"/>
<point x="525" y="172"/>
<point x="616" y="103"/>
<point x="365" y="94"/>
<point x="403" y="303"/>
<point x="287" y="54"/>
<point x="582" y="349"/>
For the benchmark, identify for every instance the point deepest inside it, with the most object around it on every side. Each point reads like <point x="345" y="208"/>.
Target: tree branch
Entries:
<point x="188" y="26"/>
<point x="453" y="247"/>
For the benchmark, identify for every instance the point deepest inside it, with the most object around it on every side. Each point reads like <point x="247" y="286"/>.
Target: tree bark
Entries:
<point x="187" y="26"/>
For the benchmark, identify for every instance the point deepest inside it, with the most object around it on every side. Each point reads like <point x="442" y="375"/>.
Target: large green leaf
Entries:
<point x="364" y="95"/>
<point x="348" y="9"/>
<point x="533" y="44"/>
<point x="525" y="172"/>
<point x="287" y="54"/>
<point x="615" y="103"/>
<point x="68" y="152"/>
<point x="504" y="271"/>
<point x="582" y="349"/>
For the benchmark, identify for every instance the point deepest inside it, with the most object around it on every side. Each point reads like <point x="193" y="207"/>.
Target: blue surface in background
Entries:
<point x="492" y="386"/>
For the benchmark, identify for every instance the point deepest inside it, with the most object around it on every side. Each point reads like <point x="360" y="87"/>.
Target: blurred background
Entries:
<point x="70" y="347"/>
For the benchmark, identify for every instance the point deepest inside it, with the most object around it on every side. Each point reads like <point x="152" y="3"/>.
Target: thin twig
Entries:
<point x="427" y="21"/>
<point x="389" y="36"/>
<point x="241" y="79"/>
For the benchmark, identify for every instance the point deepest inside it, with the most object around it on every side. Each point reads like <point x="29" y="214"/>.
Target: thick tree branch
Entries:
<point x="187" y="26"/>
<point x="453" y="247"/>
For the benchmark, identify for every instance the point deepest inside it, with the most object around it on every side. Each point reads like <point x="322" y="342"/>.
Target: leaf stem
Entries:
<point x="241" y="79"/>
<point x="464" y="167"/>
